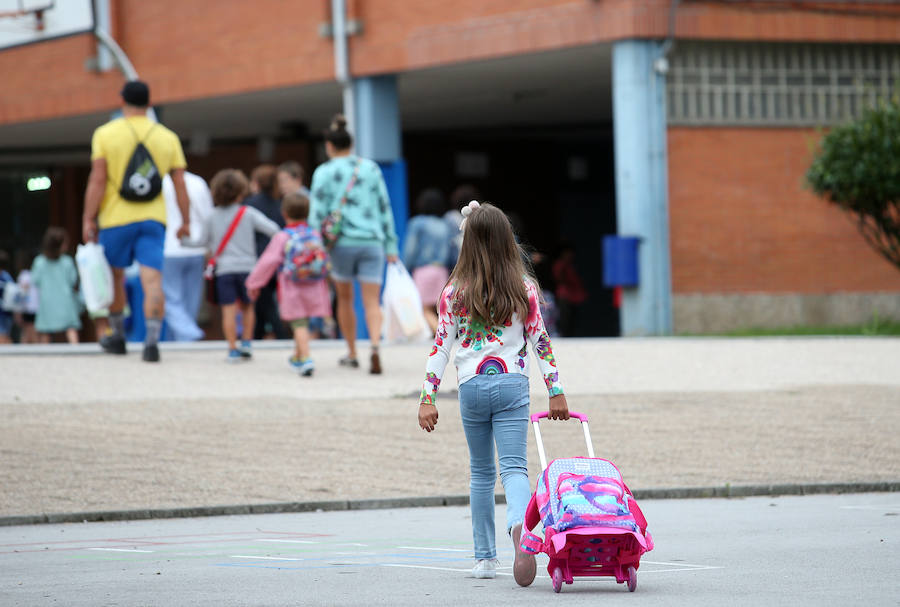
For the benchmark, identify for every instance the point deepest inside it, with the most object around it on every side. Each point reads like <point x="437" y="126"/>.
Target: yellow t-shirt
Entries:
<point x="115" y="141"/>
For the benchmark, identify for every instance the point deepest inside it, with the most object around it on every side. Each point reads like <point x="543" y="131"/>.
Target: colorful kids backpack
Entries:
<point x="305" y="259"/>
<point x="586" y="492"/>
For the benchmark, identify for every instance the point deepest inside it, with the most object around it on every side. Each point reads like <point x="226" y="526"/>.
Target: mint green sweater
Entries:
<point x="366" y="217"/>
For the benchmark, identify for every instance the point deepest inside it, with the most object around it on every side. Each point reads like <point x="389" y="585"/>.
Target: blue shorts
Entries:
<point x="6" y="323"/>
<point x="142" y="241"/>
<point x="230" y="288"/>
<point x="365" y="263"/>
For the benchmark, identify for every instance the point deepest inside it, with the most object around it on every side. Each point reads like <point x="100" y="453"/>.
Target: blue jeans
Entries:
<point x="494" y="408"/>
<point x="182" y="280"/>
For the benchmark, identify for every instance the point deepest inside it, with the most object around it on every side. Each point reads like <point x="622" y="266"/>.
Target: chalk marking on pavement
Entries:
<point x="678" y="567"/>
<point x="355" y="553"/>
<point x="265" y="558"/>
<point x="353" y="544"/>
<point x="287" y="541"/>
<point x="119" y="550"/>
<point x="435" y="549"/>
<point x="427" y="567"/>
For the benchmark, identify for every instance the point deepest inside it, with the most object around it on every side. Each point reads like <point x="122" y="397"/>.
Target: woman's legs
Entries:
<point x="72" y="336"/>
<point x="346" y="315"/>
<point x="431" y="316"/>
<point x="371" y="297"/>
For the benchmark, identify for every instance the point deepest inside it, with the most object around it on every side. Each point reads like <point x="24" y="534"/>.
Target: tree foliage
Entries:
<point x="857" y="167"/>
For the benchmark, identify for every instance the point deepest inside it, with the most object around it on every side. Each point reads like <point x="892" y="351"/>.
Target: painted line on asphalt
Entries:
<point x="427" y="567"/>
<point x="265" y="558"/>
<point x="287" y="541"/>
<point x="435" y="549"/>
<point x="677" y="567"/>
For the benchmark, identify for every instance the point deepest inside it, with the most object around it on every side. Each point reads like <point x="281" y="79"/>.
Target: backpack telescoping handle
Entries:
<point x="540" y="443"/>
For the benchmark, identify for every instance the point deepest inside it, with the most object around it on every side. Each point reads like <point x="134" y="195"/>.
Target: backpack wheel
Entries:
<point x="557" y="579"/>
<point x="632" y="579"/>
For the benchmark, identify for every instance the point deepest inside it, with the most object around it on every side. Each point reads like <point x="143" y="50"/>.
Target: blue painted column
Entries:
<point x="639" y="132"/>
<point x="378" y="137"/>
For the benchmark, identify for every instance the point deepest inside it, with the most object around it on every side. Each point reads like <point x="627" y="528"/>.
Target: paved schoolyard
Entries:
<point x="87" y="432"/>
<point x="813" y="550"/>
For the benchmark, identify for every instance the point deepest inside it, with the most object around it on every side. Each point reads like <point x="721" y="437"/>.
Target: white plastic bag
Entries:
<point x="404" y="319"/>
<point x="13" y="299"/>
<point x="95" y="276"/>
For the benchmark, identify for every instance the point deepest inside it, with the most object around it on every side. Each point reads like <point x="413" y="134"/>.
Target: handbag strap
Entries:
<point x="351" y="183"/>
<point x="228" y="235"/>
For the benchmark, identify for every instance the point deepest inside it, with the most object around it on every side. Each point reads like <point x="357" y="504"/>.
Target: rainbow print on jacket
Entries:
<point x="491" y="365"/>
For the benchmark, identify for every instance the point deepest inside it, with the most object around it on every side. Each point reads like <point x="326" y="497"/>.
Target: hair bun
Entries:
<point x="339" y="123"/>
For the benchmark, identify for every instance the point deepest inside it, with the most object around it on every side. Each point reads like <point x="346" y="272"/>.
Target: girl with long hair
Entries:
<point x="491" y="309"/>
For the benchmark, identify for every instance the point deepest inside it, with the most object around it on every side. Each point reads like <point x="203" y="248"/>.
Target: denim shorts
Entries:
<point x="364" y="263"/>
<point x="6" y="323"/>
<point x="230" y="288"/>
<point x="142" y="241"/>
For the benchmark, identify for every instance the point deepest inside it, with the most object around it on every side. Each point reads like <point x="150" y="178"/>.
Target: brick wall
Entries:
<point x="206" y="48"/>
<point x="742" y="221"/>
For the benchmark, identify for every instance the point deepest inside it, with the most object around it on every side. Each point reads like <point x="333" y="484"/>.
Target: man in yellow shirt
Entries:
<point x="129" y="158"/>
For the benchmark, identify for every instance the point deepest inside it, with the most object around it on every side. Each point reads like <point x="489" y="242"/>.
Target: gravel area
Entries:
<point x="83" y="432"/>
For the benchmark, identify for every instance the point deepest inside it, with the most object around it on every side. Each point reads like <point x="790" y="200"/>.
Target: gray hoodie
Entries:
<point x="239" y="255"/>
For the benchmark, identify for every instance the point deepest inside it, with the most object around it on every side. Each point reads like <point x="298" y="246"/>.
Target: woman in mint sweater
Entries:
<point x="367" y="233"/>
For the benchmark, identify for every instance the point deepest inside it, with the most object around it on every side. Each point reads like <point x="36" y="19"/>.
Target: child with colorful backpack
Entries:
<point x="299" y="256"/>
<point x="490" y="308"/>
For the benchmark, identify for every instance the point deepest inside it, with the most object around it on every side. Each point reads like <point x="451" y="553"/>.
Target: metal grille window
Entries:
<point x="777" y="84"/>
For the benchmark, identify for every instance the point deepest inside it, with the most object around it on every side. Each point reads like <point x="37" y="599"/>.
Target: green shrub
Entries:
<point x="857" y="167"/>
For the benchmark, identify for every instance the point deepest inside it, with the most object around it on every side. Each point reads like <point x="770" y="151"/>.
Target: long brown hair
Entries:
<point x="489" y="277"/>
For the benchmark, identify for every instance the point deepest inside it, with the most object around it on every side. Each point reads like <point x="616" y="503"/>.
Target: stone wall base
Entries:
<point x="715" y="313"/>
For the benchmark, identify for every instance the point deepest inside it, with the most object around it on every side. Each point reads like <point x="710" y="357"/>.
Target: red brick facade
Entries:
<point x="742" y="220"/>
<point x="207" y="48"/>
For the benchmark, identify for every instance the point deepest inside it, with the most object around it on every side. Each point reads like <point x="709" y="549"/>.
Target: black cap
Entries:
<point x="136" y="93"/>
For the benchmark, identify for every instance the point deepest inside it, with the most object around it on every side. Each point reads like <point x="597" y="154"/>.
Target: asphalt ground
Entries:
<point x="812" y="550"/>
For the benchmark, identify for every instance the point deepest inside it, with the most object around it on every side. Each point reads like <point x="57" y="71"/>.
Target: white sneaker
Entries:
<point x="485" y="569"/>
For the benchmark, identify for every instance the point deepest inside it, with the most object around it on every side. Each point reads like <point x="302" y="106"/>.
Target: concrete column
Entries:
<point x="639" y="132"/>
<point x="378" y="137"/>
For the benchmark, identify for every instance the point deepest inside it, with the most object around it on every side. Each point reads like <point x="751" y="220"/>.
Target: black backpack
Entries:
<point x="141" y="181"/>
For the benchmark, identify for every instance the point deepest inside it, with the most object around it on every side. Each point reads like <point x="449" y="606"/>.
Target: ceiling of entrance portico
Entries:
<point x="571" y="86"/>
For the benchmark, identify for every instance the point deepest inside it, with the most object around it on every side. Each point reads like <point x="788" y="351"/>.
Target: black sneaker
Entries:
<point x="151" y="354"/>
<point x="113" y="344"/>
<point x="353" y="363"/>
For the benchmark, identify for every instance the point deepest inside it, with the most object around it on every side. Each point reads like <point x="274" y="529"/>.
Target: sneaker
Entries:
<point x="524" y="565"/>
<point x="246" y="349"/>
<point x="485" y="569"/>
<point x="375" y="363"/>
<point x="306" y="367"/>
<point x="294" y="363"/>
<point x="151" y="353"/>
<point x="113" y="344"/>
<point x="349" y="362"/>
<point x="234" y="356"/>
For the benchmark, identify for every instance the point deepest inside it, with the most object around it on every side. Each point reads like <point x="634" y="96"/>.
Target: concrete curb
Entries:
<point x="726" y="491"/>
